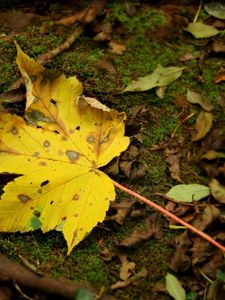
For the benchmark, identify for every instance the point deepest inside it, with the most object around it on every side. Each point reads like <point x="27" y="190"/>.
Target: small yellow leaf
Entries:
<point x="29" y="69"/>
<point x="60" y="184"/>
<point x="203" y="125"/>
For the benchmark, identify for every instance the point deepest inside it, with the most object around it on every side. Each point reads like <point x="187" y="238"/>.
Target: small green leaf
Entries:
<point x="215" y="9"/>
<point x="84" y="294"/>
<point x="200" y="30"/>
<point x="174" y="287"/>
<point x="188" y="192"/>
<point x="160" y="77"/>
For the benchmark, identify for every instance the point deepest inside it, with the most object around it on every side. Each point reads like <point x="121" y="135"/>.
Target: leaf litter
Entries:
<point x="208" y="218"/>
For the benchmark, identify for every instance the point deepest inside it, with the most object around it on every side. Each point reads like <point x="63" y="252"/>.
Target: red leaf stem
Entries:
<point x="169" y="214"/>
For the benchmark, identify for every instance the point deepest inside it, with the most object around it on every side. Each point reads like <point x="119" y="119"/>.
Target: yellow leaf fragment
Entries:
<point x="29" y="69"/>
<point x="60" y="183"/>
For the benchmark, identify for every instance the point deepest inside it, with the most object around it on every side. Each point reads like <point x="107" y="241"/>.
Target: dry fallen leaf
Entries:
<point x="203" y="125"/>
<point x="153" y="227"/>
<point x="116" y="47"/>
<point x="173" y="159"/>
<point x="180" y="261"/>
<point x="159" y="77"/>
<point x="217" y="190"/>
<point x="123" y="209"/>
<point x="126" y="268"/>
<point x="209" y="215"/>
<point x="196" y="98"/>
<point x="59" y="185"/>
<point x="121" y="284"/>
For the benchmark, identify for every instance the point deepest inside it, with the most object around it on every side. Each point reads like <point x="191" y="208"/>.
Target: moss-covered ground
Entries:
<point x="145" y="50"/>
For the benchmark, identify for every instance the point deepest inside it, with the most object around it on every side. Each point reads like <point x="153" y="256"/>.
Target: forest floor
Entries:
<point x="127" y="41"/>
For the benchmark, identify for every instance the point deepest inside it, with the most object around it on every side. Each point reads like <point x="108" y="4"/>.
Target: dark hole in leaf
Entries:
<point x="53" y="102"/>
<point x="51" y="202"/>
<point x="78" y="128"/>
<point x="56" y="131"/>
<point x="44" y="183"/>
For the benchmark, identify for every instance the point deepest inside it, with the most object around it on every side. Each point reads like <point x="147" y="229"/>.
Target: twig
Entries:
<point x="182" y="122"/>
<point x="63" y="288"/>
<point x="170" y="215"/>
<point x="21" y="292"/>
<point x="46" y="57"/>
<point x="198" y="12"/>
<point x="90" y="14"/>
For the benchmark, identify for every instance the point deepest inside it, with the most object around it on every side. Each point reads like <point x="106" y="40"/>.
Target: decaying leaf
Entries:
<point x="217" y="190"/>
<point x="160" y="77"/>
<point x="121" y="284"/>
<point x="215" y="9"/>
<point x="58" y="161"/>
<point x="196" y="98"/>
<point x="123" y="209"/>
<point x="209" y="215"/>
<point x="126" y="268"/>
<point x="188" y="192"/>
<point x="173" y="159"/>
<point x="116" y="47"/>
<point x="153" y="227"/>
<point x="200" y="251"/>
<point x="210" y="155"/>
<point x="200" y="30"/>
<point x="203" y="125"/>
<point x="174" y="287"/>
<point x="190" y="56"/>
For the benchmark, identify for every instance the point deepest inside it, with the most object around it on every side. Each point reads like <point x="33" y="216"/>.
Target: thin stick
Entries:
<point x="198" y="12"/>
<point x="169" y="214"/>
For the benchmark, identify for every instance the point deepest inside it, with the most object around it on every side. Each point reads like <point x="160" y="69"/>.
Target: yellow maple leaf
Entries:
<point x="58" y="160"/>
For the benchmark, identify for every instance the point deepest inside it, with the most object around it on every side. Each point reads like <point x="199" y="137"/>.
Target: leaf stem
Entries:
<point x="169" y="214"/>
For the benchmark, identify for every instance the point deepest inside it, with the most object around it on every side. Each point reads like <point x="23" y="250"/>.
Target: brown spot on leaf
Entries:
<point x="36" y="100"/>
<point x="23" y="198"/>
<point x="44" y="82"/>
<point x="60" y="152"/>
<point x="75" y="215"/>
<point x="36" y="154"/>
<point x="42" y="163"/>
<point x="64" y="218"/>
<point x="63" y="138"/>
<point x="14" y="130"/>
<point x="80" y="229"/>
<point x="72" y="155"/>
<point x="74" y="237"/>
<point x="75" y="197"/>
<point x="91" y="139"/>
<point x="46" y="143"/>
<point x="104" y="140"/>
<point x="39" y="191"/>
